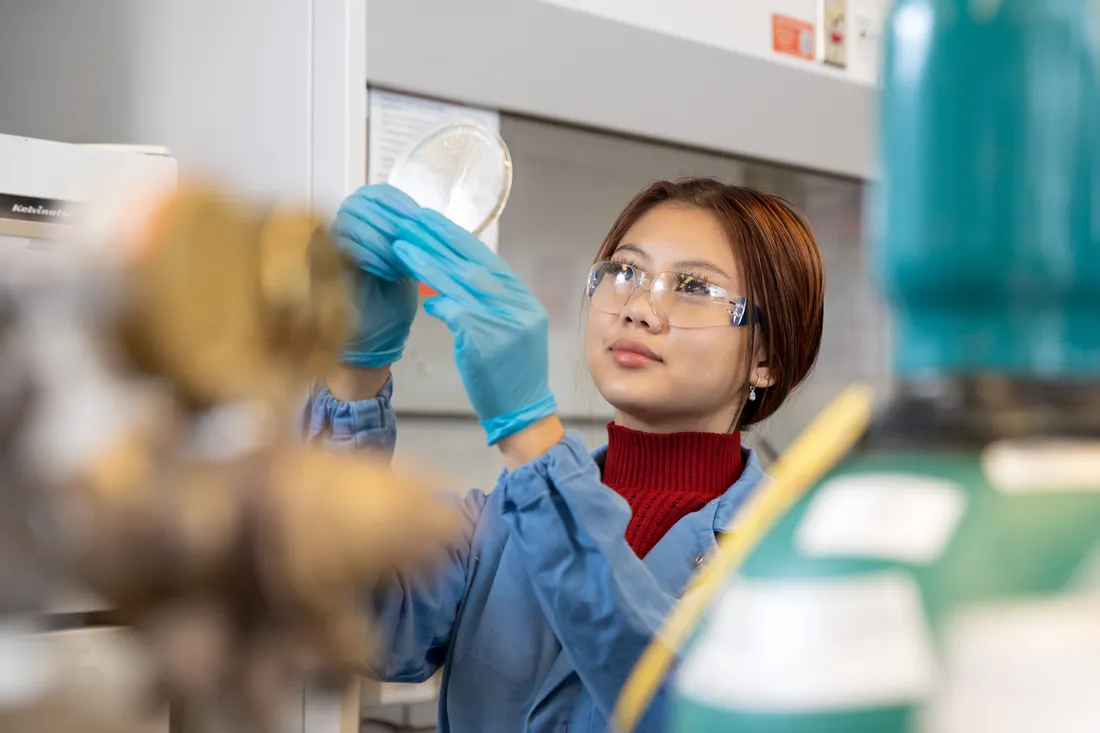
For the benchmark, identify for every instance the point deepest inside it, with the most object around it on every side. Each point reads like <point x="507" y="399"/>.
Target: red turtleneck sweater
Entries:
<point x="665" y="477"/>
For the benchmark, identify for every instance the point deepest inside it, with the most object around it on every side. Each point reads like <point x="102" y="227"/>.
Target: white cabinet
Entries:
<point x="544" y="60"/>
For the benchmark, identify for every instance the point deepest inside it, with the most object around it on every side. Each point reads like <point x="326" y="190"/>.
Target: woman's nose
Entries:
<point x="639" y="310"/>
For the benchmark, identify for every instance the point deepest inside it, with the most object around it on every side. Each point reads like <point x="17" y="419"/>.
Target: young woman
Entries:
<point x="704" y="313"/>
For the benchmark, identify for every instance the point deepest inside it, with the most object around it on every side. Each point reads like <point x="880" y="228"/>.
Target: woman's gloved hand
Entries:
<point x="386" y="298"/>
<point x="499" y="327"/>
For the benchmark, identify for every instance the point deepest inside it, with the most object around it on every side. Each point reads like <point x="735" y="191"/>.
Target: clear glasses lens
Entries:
<point x="678" y="299"/>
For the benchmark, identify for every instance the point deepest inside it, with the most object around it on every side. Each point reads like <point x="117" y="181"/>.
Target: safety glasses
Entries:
<point x="679" y="299"/>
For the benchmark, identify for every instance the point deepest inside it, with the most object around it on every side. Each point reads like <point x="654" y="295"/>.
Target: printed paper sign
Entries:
<point x="793" y="37"/>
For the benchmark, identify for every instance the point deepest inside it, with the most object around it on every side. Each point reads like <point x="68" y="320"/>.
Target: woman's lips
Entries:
<point x="633" y="354"/>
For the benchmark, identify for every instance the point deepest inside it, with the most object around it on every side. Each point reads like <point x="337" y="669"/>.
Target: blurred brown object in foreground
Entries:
<point x="244" y="576"/>
<point x="239" y="564"/>
<point x="229" y="302"/>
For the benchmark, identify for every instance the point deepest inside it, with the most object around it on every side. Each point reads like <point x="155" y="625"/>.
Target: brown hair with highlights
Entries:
<point x="782" y="267"/>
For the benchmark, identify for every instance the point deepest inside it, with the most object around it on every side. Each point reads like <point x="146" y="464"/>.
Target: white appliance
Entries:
<point x="45" y="187"/>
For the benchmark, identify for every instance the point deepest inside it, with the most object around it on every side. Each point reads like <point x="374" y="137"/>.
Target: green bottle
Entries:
<point x="945" y="577"/>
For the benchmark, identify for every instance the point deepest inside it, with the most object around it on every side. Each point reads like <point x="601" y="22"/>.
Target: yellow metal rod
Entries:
<point x="820" y="446"/>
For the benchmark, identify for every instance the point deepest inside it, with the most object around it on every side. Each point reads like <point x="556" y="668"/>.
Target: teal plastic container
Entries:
<point x="984" y="231"/>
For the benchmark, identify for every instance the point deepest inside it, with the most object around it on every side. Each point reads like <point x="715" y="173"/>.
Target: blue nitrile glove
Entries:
<point x="385" y="297"/>
<point x="499" y="327"/>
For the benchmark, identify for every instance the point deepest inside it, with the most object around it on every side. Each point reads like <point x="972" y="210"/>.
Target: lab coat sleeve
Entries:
<point x="411" y="616"/>
<point x="366" y="425"/>
<point x="602" y="602"/>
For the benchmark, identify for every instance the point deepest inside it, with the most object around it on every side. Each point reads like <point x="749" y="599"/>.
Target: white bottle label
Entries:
<point x="1028" y="667"/>
<point x="883" y="516"/>
<point x="1047" y="466"/>
<point x="813" y="645"/>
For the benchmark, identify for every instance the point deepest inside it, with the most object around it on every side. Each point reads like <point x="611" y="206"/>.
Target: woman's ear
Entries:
<point x="760" y="375"/>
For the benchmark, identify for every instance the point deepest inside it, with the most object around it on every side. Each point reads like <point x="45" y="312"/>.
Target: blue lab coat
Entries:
<point x="540" y="615"/>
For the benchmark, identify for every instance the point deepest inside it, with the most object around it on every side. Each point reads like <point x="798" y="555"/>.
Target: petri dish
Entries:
<point x="461" y="170"/>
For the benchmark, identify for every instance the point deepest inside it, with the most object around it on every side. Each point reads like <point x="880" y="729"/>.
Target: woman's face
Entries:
<point x="684" y="379"/>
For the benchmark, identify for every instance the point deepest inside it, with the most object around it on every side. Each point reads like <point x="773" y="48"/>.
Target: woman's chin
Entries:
<point x="628" y="399"/>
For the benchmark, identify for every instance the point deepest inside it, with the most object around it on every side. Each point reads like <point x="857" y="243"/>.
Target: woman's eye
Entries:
<point x="622" y="270"/>
<point x="691" y="285"/>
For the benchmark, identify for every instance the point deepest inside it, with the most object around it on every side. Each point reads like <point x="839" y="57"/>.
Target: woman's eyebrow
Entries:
<point x="680" y="265"/>
<point x="633" y="249"/>
<point x="702" y="265"/>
